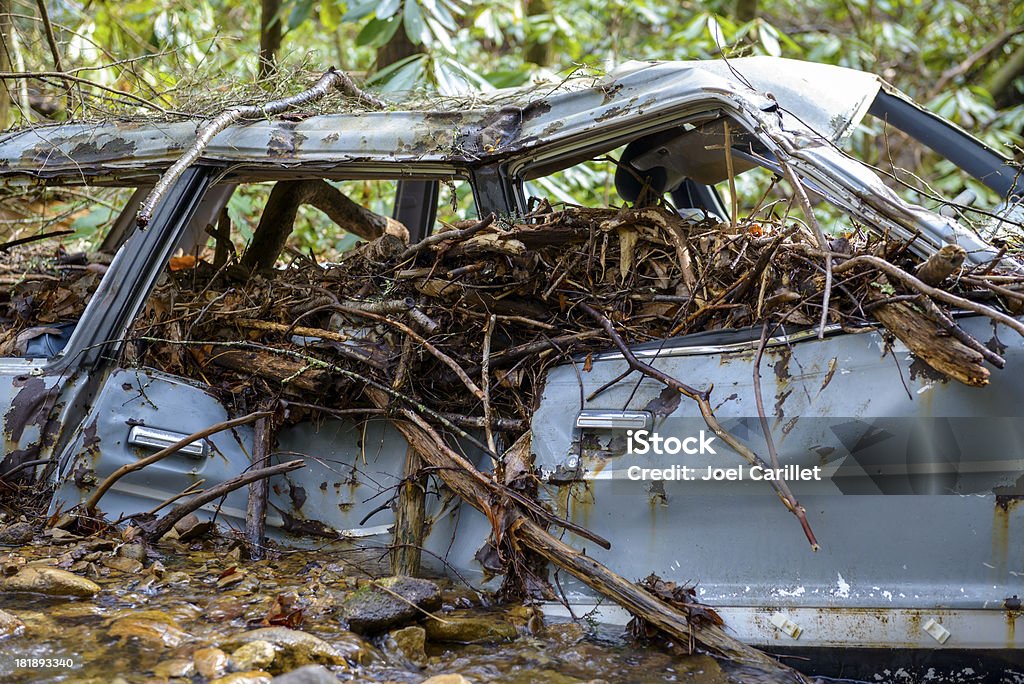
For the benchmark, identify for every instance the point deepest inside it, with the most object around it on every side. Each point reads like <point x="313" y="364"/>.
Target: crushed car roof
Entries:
<point x="827" y="99"/>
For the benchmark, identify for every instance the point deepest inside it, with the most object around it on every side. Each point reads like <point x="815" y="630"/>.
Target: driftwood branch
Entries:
<point x="933" y="292"/>
<point x="942" y="264"/>
<point x="453" y="235"/>
<point x="332" y="80"/>
<point x="819" y="235"/>
<point x="282" y="207"/>
<point x="168" y="521"/>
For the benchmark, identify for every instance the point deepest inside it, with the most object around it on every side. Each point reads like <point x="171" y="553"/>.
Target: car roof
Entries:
<point x="827" y="99"/>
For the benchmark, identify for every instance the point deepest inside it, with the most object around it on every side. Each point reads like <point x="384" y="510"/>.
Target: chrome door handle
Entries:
<point x="152" y="438"/>
<point x="614" y="420"/>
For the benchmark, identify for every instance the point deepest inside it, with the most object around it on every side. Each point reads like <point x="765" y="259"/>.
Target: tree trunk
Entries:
<point x="5" y="62"/>
<point x="396" y="49"/>
<point x="409" y="518"/>
<point x="1000" y="84"/>
<point x="270" y="35"/>
<point x="746" y="10"/>
<point x="541" y="54"/>
<point x="256" y="510"/>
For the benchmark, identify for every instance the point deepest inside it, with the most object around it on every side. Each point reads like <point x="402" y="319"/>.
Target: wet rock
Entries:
<point x="471" y="629"/>
<point x="39" y="625"/>
<point x="373" y="609"/>
<point x="190" y="527"/>
<point x="17" y="534"/>
<point x="565" y="633"/>
<point x="410" y="643"/>
<point x="10" y="625"/>
<point x="704" y="669"/>
<point x="526" y="617"/>
<point x="74" y="610"/>
<point x="446" y="679"/>
<point x="176" y="577"/>
<point x="459" y="597"/>
<point x="293" y="648"/>
<point x="223" y="609"/>
<point x="175" y="668"/>
<point x="310" y="674"/>
<point x="211" y="662"/>
<point x="50" y="581"/>
<point x="136" y="552"/>
<point x="122" y="564"/>
<point x="150" y="627"/>
<point x="255" y="655"/>
<point x="252" y="677"/>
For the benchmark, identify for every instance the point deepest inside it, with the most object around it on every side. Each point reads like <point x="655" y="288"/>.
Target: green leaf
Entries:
<point x="402" y="76"/>
<point x="389" y="8"/>
<point x="301" y="10"/>
<point x="441" y="34"/>
<point x="508" y="79"/>
<point x="359" y="10"/>
<point x="377" y="32"/>
<point x="769" y="39"/>
<point x="716" y="33"/>
<point x="330" y="16"/>
<point x="415" y="27"/>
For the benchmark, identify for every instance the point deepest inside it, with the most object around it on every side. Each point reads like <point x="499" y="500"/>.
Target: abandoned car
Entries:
<point x="914" y="479"/>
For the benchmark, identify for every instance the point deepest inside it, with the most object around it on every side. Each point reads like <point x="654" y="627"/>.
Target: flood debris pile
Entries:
<point x="423" y="323"/>
<point x="41" y="289"/>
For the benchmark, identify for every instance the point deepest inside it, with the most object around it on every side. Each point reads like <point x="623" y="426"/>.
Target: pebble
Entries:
<point x="10" y="625"/>
<point x="211" y="662"/>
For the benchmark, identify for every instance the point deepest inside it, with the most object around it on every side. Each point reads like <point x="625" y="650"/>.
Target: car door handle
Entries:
<point x="605" y="419"/>
<point x="152" y="438"/>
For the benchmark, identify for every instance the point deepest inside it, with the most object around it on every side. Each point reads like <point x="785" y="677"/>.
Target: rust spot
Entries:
<point x="781" y="365"/>
<point x="29" y="406"/>
<point x="285" y="141"/>
<point x="790" y="424"/>
<point x="297" y="494"/>
<point x="919" y="368"/>
<point x="780" y="400"/>
<point x="832" y="365"/>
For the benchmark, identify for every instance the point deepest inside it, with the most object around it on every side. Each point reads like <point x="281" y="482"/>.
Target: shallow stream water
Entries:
<point x="147" y="623"/>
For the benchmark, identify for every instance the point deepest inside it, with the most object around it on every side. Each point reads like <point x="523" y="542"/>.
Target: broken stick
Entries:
<point x="256" y="510"/>
<point x="168" y="521"/>
<point x="90" y="506"/>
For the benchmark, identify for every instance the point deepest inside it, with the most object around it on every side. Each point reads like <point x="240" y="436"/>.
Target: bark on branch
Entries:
<point x="164" y="524"/>
<point x="332" y="80"/>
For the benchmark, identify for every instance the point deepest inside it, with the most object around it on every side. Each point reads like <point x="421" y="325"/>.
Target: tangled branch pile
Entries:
<point x="426" y="320"/>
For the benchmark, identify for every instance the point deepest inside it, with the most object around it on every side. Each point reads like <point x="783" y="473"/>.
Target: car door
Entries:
<point x="916" y="478"/>
<point x="46" y="390"/>
<point x="353" y="463"/>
